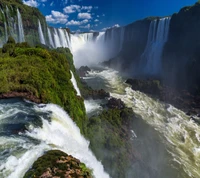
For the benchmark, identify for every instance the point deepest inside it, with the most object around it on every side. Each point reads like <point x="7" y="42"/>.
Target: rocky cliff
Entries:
<point x="181" y="54"/>
<point x="9" y="21"/>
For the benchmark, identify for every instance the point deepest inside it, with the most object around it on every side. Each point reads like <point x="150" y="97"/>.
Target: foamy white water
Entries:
<point x="157" y="37"/>
<point x="47" y="127"/>
<point x="41" y="34"/>
<point x="73" y="80"/>
<point x="92" y="105"/>
<point x="63" y="133"/>
<point x="180" y="134"/>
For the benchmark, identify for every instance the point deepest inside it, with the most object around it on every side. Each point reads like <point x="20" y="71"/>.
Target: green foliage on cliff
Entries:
<point x="58" y="163"/>
<point x="30" y="17"/>
<point x="109" y="136"/>
<point x="43" y="73"/>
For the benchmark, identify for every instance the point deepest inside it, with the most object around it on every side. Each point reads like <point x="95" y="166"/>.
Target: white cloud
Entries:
<point x="56" y="17"/>
<point x="71" y="9"/>
<point x="84" y="16"/>
<point x="74" y="22"/>
<point x="86" y="26"/>
<point x="114" y="26"/>
<point x="96" y="20"/>
<point x="97" y="15"/>
<point x="88" y="8"/>
<point x="43" y="0"/>
<point x="32" y="3"/>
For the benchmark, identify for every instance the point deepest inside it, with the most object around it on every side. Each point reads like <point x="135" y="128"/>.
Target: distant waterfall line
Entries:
<point x="13" y="26"/>
<point x="151" y="59"/>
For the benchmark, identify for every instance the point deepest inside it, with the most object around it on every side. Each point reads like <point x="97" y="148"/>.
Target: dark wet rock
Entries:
<point x="83" y="71"/>
<point x="88" y="93"/>
<point x="182" y="99"/>
<point x="114" y="103"/>
<point x="152" y="87"/>
<point x="27" y="95"/>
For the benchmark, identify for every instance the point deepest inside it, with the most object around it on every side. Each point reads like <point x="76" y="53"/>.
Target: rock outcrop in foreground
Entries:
<point x="58" y="164"/>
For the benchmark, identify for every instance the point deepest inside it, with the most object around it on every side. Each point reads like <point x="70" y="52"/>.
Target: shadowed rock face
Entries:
<point x="181" y="55"/>
<point x="56" y="163"/>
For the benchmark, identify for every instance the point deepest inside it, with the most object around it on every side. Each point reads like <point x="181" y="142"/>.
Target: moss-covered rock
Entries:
<point x="40" y="75"/>
<point x="110" y="140"/>
<point x="59" y="164"/>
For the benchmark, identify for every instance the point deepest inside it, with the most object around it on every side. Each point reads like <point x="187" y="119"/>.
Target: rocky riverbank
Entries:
<point x="181" y="99"/>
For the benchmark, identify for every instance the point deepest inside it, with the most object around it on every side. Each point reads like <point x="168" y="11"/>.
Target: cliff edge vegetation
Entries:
<point x="40" y="75"/>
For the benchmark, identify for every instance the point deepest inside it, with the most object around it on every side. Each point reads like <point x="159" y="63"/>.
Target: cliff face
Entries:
<point x="29" y="15"/>
<point x="133" y="45"/>
<point x="181" y="55"/>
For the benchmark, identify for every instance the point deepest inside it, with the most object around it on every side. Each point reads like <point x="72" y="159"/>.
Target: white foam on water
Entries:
<point x="180" y="133"/>
<point x="92" y="105"/>
<point x="63" y="133"/>
<point x="73" y="80"/>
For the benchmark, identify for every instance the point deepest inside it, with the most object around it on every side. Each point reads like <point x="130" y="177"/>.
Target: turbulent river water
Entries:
<point x="27" y="130"/>
<point x="165" y="139"/>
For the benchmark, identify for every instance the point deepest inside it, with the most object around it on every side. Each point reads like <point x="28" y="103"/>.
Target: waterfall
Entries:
<point x="157" y="37"/>
<point x="29" y="130"/>
<point x="41" y="35"/>
<point x="100" y="38"/>
<point x="73" y="80"/>
<point x="79" y="40"/>
<point x="12" y="29"/>
<point x="56" y="39"/>
<point x="63" y="38"/>
<point x="20" y="27"/>
<point x="6" y="32"/>
<point x="68" y="39"/>
<point x="50" y="38"/>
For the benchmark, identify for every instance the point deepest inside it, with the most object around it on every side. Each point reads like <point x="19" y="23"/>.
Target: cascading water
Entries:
<point x="56" y="38"/>
<point x="60" y="36"/>
<point x="20" y="27"/>
<point x="157" y="37"/>
<point x="73" y="80"/>
<point x="41" y="35"/>
<point x="12" y="24"/>
<point x="50" y="38"/>
<point x="28" y="130"/>
<point x="180" y="134"/>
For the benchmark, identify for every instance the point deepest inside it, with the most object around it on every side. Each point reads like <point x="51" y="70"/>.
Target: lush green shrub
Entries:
<point x="42" y="73"/>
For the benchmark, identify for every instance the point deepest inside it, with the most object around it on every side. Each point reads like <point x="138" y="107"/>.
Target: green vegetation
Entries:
<point x="44" y="74"/>
<point x="58" y="163"/>
<point x="30" y="17"/>
<point x="109" y="135"/>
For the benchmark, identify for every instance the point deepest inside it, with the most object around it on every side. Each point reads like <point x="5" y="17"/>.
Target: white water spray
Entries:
<point x="50" y="38"/>
<point x="41" y="35"/>
<point x="157" y="37"/>
<point x="58" y="131"/>
<point x="20" y="27"/>
<point x="65" y="136"/>
<point x="73" y="80"/>
<point x="180" y="134"/>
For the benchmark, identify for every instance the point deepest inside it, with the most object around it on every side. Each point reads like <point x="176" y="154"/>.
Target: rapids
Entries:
<point x="27" y="130"/>
<point x="178" y="134"/>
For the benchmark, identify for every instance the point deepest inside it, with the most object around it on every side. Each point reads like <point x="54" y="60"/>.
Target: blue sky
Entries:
<point x="89" y="15"/>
